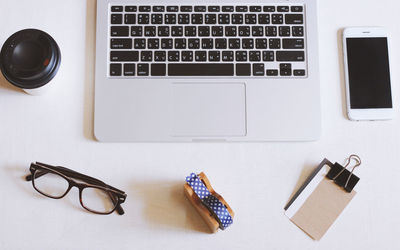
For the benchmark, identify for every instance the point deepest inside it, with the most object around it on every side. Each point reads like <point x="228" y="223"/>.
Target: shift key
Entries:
<point x="121" y="43"/>
<point x="290" y="56"/>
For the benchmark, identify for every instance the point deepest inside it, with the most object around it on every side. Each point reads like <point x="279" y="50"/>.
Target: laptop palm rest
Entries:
<point x="208" y="109"/>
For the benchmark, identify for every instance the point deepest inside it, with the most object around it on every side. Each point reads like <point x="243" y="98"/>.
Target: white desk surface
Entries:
<point x="257" y="179"/>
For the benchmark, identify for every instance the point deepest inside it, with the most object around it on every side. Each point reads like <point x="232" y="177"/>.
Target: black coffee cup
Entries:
<point x="30" y="59"/>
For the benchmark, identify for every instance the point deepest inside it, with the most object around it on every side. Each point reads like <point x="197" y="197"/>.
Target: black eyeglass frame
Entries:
<point x="117" y="196"/>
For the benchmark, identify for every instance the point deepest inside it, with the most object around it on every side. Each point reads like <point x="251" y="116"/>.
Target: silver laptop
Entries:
<point x="181" y="71"/>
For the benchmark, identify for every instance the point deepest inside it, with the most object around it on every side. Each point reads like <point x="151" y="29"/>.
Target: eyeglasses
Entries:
<point x="94" y="195"/>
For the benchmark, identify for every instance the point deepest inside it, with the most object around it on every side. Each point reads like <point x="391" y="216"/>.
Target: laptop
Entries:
<point x="183" y="71"/>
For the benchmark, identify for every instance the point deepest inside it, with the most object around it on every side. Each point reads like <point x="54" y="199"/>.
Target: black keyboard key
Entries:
<point x="268" y="56"/>
<point x="146" y="56"/>
<point x="223" y="19"/>
<point x="263" y="18"/>
<point x="299" y="72"/>
<point x="220" y="43"/>
<point x="275" y="43"/>
<point x="250" y="18"/>
<point x="241" y="56"/>
<point x="158" y="8"/>
<point x="214" y="56"/>
<point x="143" y="18"/>
<point x="228" y="9"/>
<point x="121" y="43"/>
<point x="258" y="69"/>
<point x="172" y="8"/>
<point x="244" y="30"/>
<point x="158" y="69"/>
<point x="190" y="31"/>
<point x="207" y="43"/>
<point x="213" y="8"/>
<point x="294" y="18"/>
<point x="153" y="43"/>
<point x="170" y="18"/>
<point x="247" y="43"/>
<point x="254" y="56"/>
<point x="243" y="69"/>
<point x="129" y="69"/>
<point x="257" y="31"/>
<point x="115" y="69"/>
<point x="187" y="56"/>
<point x="150" y="31"/>
<point x="296" y="8"/>
<point x="124" y="56"/>
<point x="119" y="31"/>
<point x="200" y="69"/>
<point x="200" y="56"/>
<point x="183" y="18"/>
<point x="293" y="43"/>
<point x="200" y="8"/>
<point x="139" y="43"/>
<point x="277" y="19"/>
<point x="130" y="18"/>
<point x="290" y="56"/>
<point x="284" y="30"/>
<point x="144" y="8"/>
<point x="177" y="31"/>
<point x="285" y="69"/>
<point x="116" y="8"/>
<point x="173" y="56"/>
<point x="136" y="31"/>
<point x="163" y="30"/>
<point x="217" y="30"/>
<point x="194" y="43"/>
<point x="261" y="43"/>
<point x="270" y="31"/>
<point x="297" y="31"/>
<point x="234" y="43"/>
<point x="210" y="18"/>
<point x="237" y="18"/>
<point x="180" y="43"/>
<point x="156" y="18"/>
<point x="255" y="8"/>
<point x="269" y="8"/>
<point x="166" y="43"/>
<point x="130" y="8"/>
<point x="197" y="18"/>
<point x="204" y="30"/>
<point x="143" y="69"/>
<point x="116" y="18"/>
<point x="283" y="8"/>
<point x="230" y="31"/>
<point x="241" y="8"/>
<point x="227" y="56"/>
<point x="186" y="9"/>
<point x="272" y="72"/>
<point x="159" y="56"/>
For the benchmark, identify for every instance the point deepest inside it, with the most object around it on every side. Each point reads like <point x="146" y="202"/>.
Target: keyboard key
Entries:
<point x="139" y="43"/>
<point x="190" y="31"/>
<point x="186" y="9"/>
<point x="173" y="56"/>
<point x="243" y="69"/>
<point x="255" y="8"/>
<point x="158" y="8"/>
<point x="244" y="30"/>
<point x="268" y="56"/>
<point x="293" y="43"/>
<point x="241" y="8"/>
<point x="299" y="72"/>
<point x="115" y="69"/>
<point x="200" y="56"/>
<point x="284" y="30"/>
<point x="204" y="30"/>
<point x="234" y="43"/>
<point x="136" y="31"/>
<point x="228" y="9"/>
<point x="121" y="44"/>
<point x="143" y="18"/>
<point x="172" y="8"/>
<point x="270" y="31"/>
<point x="275" y="43"/>
<point x="200" y="69"/>
<point x="230" y="30"/>
<point x="213" y="8"/>
<point x="144" y="8"/>
<point x="237" y="18"/>
<point x="183" y="18"/>
<point x="194" y="43"/>
<point x="294" y="18"/>
<point x="296" y="8"/>
<point x="290" y="56"/>
<point x="146" y="56"/>
<point x="241" y="56"/>
<point x="214" y="56"/>
<point x="176" y="31"/>
<point x="285" y="69"/>
<point x="257" y="31"/>
<point x="227" y="56"/>
<point x="200" y="8"/>
<point x="254" y="56"/>
<point x="223" y="19"/>
<point x="210" y="18"/>
<point x="272" y="72"/>
<point x="130" y="18"/>
<point x="116" y="18"/>
<point x="261" y="43"/>
<point x="220" y="43"/>
<point x="129" y="69"/>
<point x="153" y="43"/>
<point x="130" y="8"/>
<point x="197" y="18"/>
<point x="170" y="18"/>
<point x="124" y="56"/>
<point x="143" y="69"/>
<point x="180" y="43"/>
<point x="119" y="31"/>
<point x="116" y="8"/>
<point x="159" y="56"/>
<point x="207" y="43"/>
<point x="250" y="18"/>
<point x="150" y="31"/>
<point x="269" y="8"/>
<point x="217" y="30"/>
<point x="277" y="19"/>
<point x="263" y="18"/>
<point x="297" y="31"/>
<point x="258" y="69"/>
<point x="158" y="69"/>
<point x="163" y="31"/>
<point x="187" y="56"/>
<point x="166" y="43"/>
<point x="247" y="43"/>
<point x="156" y="18"/>
<point x="283" y="8"/>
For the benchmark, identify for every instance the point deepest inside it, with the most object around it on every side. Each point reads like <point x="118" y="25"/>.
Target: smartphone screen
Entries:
<point x="369" y="75"/>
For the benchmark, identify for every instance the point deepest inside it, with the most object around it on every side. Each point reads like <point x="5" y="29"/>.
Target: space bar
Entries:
<point x="200" y="69"/>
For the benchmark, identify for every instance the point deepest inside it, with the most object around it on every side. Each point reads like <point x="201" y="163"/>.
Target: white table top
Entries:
<point x="257" y="179"/>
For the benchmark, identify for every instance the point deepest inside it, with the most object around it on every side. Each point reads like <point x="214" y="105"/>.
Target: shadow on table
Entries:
<point x="5" y="85"/>
<point x="341" y="69"/>
<point x="305" y="173"/>
<point x="166" y="205"/>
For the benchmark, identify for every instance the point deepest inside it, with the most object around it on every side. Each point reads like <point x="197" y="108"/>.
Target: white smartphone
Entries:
<point x="367" y="73"/>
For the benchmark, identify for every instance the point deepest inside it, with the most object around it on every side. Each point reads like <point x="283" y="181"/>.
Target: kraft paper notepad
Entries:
<point x="320" y="200"/>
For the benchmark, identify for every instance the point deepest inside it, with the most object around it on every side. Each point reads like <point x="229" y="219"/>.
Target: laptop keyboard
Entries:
<point x="191" y="41"/>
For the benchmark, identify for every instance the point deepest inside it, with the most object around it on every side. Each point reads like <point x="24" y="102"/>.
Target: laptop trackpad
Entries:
<point x="208" y="109"/>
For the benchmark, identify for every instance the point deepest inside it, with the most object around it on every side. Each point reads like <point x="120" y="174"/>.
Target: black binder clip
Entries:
<point x="343" y="177"/>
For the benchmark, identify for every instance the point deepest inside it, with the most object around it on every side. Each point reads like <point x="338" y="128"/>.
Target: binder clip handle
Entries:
<point x="358" y="163"/>
<point x="343" y="177"/>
